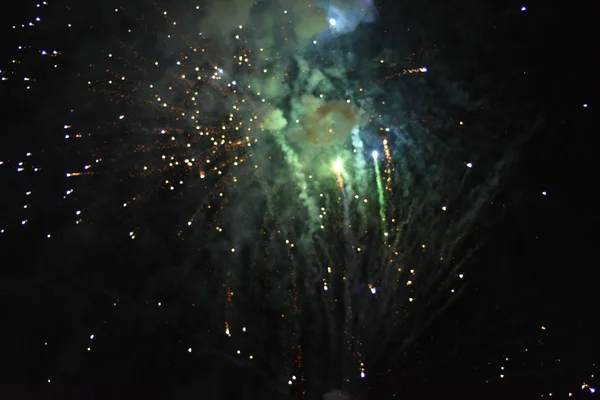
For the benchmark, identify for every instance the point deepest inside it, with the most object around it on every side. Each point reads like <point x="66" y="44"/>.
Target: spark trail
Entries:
<point x="380" y="193"/>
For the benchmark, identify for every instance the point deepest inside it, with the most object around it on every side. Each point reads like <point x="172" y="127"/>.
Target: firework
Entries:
<point x="316" y="225"/>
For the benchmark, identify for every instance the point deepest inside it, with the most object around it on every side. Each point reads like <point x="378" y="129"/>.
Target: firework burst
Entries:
<point x="319" y="224"/>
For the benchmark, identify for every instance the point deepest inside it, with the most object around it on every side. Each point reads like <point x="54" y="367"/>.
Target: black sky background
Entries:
<point x="537" y="269"/>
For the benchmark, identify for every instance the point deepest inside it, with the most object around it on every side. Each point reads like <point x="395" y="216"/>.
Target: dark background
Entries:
<point x="536" y="270"/>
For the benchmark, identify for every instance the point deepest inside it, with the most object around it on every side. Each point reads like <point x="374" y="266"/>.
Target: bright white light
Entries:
<point x="337" y="165"/>
<point x="373" y="290"/>
<point x="523" y="8"/>
<point x="375" y="154"/>
<point x="362" y="375"/>
<point x="189" y="349"/>
<point x="423" y="69"/>
<point x="332" y="21"/>
<point x="544" y="193"/>
<point x="469" y="165"/>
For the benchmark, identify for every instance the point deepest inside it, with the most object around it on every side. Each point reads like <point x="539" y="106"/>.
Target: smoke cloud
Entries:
<point x="345" y="15"/>
<point x="222" y="17"/>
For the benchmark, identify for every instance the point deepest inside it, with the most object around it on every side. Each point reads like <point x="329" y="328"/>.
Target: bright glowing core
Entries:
<point x="337" y="165"/>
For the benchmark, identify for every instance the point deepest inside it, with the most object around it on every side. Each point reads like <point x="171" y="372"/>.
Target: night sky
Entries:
<point x="281" y="199"/>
